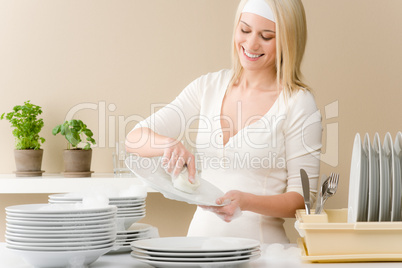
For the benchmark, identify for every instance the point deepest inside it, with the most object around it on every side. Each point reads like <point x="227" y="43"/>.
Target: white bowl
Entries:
<point x="123" y="223"/>
<point x="108" y="244"/>
<point x="78" y="196"/>
<point x="68" y="228"/>
<point x="61" y="220"/>
<point x="60" y="216"/>
<point x="62" y="232"/>
<point x="18" y="238"/>
<point x="135" y="211"/>
<point x="46" y="259"/>
<point x="71" y="223"/>
<point x="61" y="235"/>
<point x="62" y="209"/>
<point x="58" y="245"/>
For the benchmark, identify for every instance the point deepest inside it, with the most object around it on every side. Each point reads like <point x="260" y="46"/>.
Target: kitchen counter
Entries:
<point x="9" y="260"/>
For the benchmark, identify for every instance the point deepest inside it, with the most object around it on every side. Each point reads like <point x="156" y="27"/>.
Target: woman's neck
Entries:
<point x="257" y="80"/>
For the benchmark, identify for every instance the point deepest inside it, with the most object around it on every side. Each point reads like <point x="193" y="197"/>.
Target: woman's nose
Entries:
<point x="253" y="42"/>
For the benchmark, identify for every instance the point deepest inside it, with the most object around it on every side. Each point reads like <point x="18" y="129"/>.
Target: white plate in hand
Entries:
<point x="151" y="172"/>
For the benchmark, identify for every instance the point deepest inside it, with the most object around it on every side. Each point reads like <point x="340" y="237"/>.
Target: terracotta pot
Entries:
<point x="77" y="163"/>
<point x="28" y="162"/>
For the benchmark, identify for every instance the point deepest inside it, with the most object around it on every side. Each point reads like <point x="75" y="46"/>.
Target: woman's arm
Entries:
<point x="160" y="133"/>
<point x="146" y="143"/>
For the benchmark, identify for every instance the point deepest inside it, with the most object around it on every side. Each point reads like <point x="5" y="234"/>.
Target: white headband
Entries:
<point x="259" y="7"/>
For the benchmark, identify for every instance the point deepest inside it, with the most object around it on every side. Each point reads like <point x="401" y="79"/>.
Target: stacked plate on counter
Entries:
<point x="137" y="231"/>
<point x="195" y="251"/>
<point x="130" y="209"/>
<point x="60" y="235"/>
<point x="375" y="186"/>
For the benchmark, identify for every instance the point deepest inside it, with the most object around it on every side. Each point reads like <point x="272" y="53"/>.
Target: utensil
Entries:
<point x="331" y="188"/>
<point x="306" y="190"/>
<point x="324" y="186"/>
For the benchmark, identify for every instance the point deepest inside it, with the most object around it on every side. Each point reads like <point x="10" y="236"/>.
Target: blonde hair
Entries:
<point x="291" y="38"/>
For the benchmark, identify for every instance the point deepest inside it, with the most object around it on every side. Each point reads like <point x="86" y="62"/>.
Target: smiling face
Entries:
<point x="255" y="43"/>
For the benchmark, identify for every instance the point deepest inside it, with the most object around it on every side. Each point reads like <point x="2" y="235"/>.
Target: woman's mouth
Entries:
<point x="251" y="55"/>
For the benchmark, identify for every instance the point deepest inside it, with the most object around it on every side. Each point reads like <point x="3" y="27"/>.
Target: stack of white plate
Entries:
<point x="130" y="209"/>
<point x="61" y="235"/>
<point x="137" y="231"/>
<point x="375" y="184"/>
<point x="195" y="251"/>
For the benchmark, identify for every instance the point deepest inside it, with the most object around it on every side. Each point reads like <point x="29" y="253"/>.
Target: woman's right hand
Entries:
<point x="176" y="157"/>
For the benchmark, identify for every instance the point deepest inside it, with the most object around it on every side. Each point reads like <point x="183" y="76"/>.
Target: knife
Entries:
<point x="306" y="190"/>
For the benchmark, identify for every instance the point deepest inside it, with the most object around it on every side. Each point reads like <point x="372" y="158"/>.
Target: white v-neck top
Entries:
<point x="263" y="158"/>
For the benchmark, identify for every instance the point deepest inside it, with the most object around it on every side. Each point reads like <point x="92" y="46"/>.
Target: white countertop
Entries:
<point x="124" y="260"/>
<point x="57" y="183"/>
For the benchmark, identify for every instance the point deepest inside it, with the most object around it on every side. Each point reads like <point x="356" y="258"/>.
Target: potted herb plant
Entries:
<point x="77" y="160"/>
<point x="27" y="126"/>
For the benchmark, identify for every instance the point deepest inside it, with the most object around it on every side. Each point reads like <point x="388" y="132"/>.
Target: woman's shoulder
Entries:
<point x="213" y="83"/>
<point x="217" y="76"/>
<point x="209" y="84"/>
<point x="301" y="102"/>
<point x="302" y="97"/>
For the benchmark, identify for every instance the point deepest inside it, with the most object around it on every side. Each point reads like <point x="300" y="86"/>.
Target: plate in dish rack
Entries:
<point x="394" y="180"/>
<point x="371" y="191"/>
<point x="374" y="180"/>
<point x="398" y="157"/>
<point x="152" y="173"/>
<point x="385" y="159"/>
<point x="357" y="203"/>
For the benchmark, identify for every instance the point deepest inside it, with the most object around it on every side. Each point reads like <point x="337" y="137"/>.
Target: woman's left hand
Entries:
<point x="234" y="203"/>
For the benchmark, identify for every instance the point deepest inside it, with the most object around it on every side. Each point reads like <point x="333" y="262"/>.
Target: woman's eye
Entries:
<point x="266" y="38"/>
<point x="245" y="31"/>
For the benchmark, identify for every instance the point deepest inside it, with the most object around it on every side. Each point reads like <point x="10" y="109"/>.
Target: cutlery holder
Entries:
<point x="330" y="234"/>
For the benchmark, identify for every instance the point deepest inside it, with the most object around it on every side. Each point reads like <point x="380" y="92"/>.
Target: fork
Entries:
<point x="328" y="189"/>
<point x="322" y="190"/>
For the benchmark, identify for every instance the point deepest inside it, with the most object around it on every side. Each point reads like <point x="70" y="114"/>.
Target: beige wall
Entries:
<point x="107" y="61"/>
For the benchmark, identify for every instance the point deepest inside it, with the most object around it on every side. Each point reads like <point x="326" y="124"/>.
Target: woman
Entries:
<point x="258" y="124"/>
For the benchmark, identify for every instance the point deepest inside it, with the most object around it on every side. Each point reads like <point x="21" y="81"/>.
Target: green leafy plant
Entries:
<point x="73" y="130"/>
<point x="24" y="119"/>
